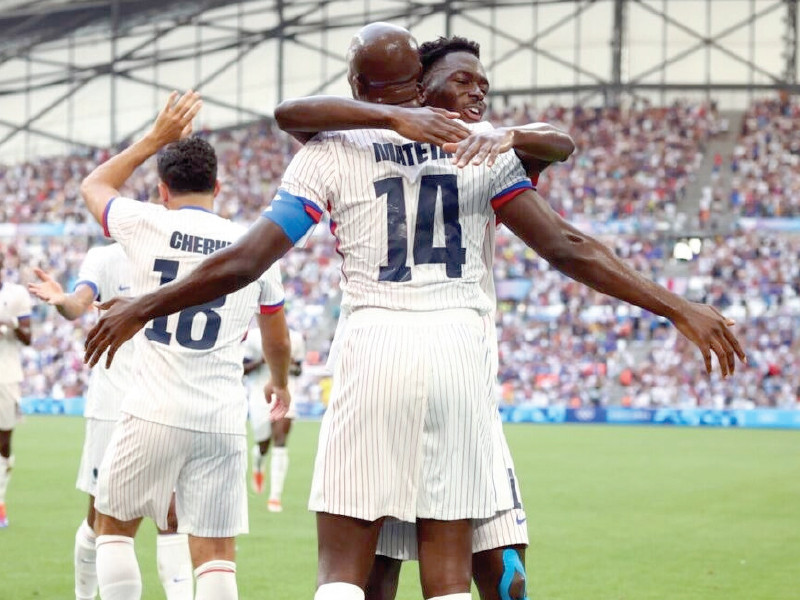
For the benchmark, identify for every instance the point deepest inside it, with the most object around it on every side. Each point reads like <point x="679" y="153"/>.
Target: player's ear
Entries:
<point x="163" y="192"/>
<point x="217" y="186"/>
<point x="420" y="94"/>
<point x="360" y="87"/>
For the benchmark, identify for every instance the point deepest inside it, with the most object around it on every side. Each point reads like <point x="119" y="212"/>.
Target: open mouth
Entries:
<point x="472" y="113"/>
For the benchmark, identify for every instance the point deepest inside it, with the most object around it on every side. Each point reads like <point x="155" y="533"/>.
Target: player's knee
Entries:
<point x="513" y="583"/>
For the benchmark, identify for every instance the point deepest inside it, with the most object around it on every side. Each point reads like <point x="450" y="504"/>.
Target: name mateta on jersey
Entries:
<point x="427" y="219"/>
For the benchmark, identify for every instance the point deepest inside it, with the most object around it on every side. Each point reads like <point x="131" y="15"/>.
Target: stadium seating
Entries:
<point x="560" y="343"/>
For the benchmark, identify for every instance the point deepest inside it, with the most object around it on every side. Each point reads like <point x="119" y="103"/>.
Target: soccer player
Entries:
<point x="453" y="80"/>
<point x="104" y="273"/>
<point x="183" y="419"/>
<point x="15" y="332"/>
<point x="392" y="272"/>
<point x="266" y="433"/>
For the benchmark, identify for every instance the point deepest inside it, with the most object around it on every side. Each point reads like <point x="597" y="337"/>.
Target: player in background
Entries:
<point x="266" y="433"/>
<point x="183" y="419"/>
<point x="566" y="248"/>
<point x="453" y="80"/>
<point x="104" y="273"/>
<point x="15" y="332"/>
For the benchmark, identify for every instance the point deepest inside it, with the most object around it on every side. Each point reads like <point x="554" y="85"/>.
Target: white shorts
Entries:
<point x="95" y="441"/>
<point x="9" y="405"/>
<point x="258" y="413"/>
<point x="407" y="432"/>
<point x="146" y="461"/>
<point x="398" y="539"/>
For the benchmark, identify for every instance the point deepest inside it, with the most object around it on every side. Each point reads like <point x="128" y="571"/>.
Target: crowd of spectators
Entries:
<point x="765" y="167"/>
<point x="633" y="163"/>
<point x="560" y="343"/>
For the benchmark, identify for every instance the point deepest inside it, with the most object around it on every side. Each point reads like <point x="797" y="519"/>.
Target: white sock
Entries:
<point x="117" y="570"/>
<point x="5" y="475"/>
<point x="460" y="596"/>
<point x="257" y="458"/>
<point x="85" y="568"/>
<point x="216" y="580"/>
<point x="174" y="565"/>
<point x="278" y="466"/>
<point x="339" y="590"/>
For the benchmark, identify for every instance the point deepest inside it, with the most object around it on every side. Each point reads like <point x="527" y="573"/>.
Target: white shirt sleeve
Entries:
<point x="123" y="217"/>
<point x="272" y="294"/>
<point x="312" y="174"/>
<point x="508" y="174"/>
<point x="23" y="304"/>
<point x="92" y="271"/>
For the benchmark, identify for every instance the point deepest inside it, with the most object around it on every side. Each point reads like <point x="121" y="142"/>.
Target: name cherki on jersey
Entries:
<point x="195" y="243"/>
<point x="403" y="155"/>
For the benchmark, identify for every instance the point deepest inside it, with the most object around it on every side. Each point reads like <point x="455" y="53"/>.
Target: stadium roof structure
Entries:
<point x="86" y="73"/>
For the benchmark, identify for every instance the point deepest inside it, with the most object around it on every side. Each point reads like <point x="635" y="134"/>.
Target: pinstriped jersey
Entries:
<point x="188" y="365"/>
<point x="410" y="225"/>
<point x="105" y="270"/>
<point x="253" y="351"/>
<point x="15" y="303"/>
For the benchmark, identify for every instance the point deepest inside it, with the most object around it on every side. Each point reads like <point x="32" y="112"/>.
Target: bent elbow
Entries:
<point x="284" y="114"/>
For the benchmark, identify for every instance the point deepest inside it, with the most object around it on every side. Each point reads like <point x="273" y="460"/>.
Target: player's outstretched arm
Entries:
<point x="223" y="272"/>
<point x="304" y="117"/>
<point x="70" y="306"/>
<point x="536" y="144"/>
<point x="277" y="349"/>
<point x="585" y="259"/>
<point x="173" y="122"/>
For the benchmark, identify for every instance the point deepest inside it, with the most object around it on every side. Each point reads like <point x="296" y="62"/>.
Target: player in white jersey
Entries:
<point x="15" y="332"/>
<point x="346" y="543"/>
<point x="499" y="542"/>
<point x="266" y="433"/>
<point x="183" y="419"/>
<point x="104" y="273"/>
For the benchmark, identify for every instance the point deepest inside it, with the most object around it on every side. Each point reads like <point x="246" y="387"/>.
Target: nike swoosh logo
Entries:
<point x="124" y="288"/>
<point x="179" y="579"/>
<point x="522" y="520"/>
<point x="87" y="561"/>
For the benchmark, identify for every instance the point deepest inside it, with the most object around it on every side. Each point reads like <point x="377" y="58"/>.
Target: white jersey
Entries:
<point x="15" y="303"/>
<point x="258" y="377"/>
<point x="188" y="365"/>
<point x="410" y="225"/>
<point x="105" y="270"/>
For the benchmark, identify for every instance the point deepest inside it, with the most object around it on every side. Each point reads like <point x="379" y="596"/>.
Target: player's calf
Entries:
<point x="500" y="573"/>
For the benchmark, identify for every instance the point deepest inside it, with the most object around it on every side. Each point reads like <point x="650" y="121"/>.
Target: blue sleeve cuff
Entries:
<point x="293" y="214"/>
<point x="91" y="284"/>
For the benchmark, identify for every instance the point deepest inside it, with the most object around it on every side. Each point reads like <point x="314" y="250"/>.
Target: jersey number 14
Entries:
<point x="452" y="255"/>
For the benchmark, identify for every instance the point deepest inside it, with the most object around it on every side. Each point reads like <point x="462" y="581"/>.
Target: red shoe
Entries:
<point x="258" y="482"/>
<point x="274" y="505"/>
<point x="3" y="516"/>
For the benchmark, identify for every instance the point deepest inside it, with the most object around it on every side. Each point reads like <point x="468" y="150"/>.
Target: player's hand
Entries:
<point x="174" y="122"/>
<point x="48" y="290"/>
<point x="709" y="330"/>
<point x="278" y="399"/>
<point x="481" y="146"/>
<point x="115" y="327"/>
<point x="429" y="125"/>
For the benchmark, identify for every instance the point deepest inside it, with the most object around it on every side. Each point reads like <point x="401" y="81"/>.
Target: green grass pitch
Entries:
<point x="617" y="513"/>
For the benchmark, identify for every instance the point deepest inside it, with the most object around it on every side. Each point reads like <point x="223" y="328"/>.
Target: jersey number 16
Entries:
<point x="157" y="332"/>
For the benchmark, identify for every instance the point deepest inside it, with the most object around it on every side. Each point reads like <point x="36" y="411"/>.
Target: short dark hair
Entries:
<point x="430" y="52"/>
<point x="188" y="165"/>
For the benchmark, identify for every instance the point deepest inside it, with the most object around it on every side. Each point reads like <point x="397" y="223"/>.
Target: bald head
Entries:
<point x="383" y="64"/>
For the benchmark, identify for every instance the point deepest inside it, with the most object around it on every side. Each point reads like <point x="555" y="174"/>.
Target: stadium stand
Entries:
<point x="560" y="342"/>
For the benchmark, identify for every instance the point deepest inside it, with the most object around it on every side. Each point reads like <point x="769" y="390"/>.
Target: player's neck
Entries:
<point x="200" y="201"/>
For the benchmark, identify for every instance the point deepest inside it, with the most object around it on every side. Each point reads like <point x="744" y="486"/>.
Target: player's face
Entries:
<point x="457" y="82"/>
